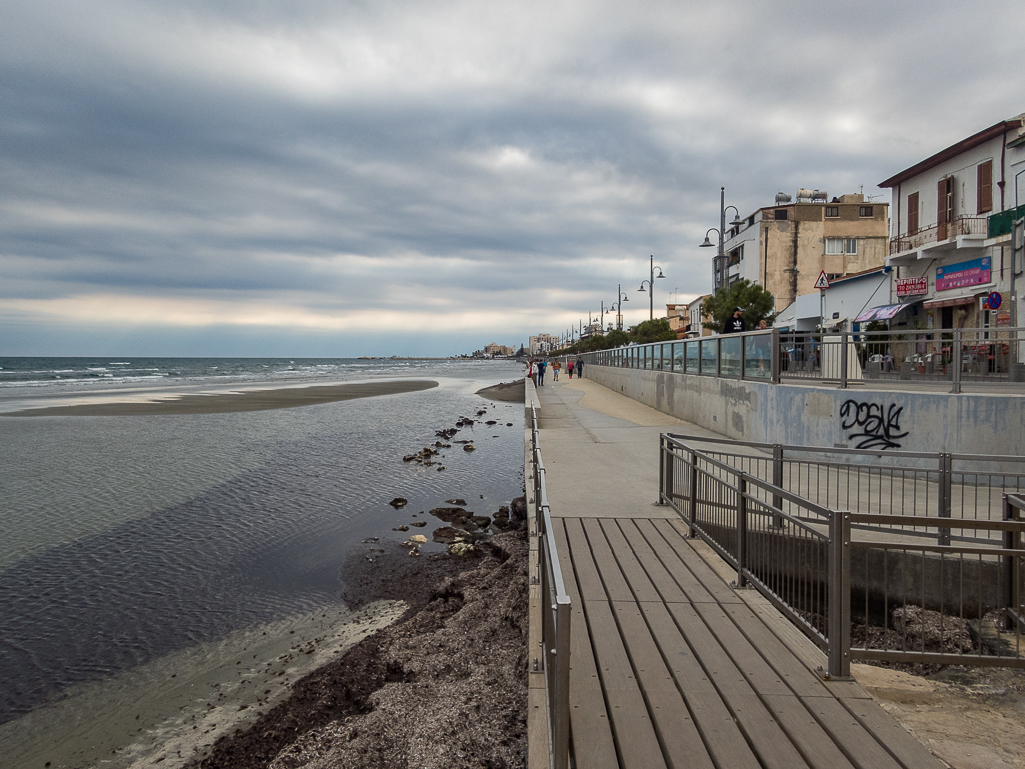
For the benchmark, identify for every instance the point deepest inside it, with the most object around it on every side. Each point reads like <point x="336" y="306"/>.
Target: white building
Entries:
<point x="542" y="344"/>
<point x="839" y="306"/>
<point x="950" y="241"/>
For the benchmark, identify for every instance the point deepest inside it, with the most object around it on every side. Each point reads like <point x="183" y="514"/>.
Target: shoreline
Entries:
<point x="234" y="401"/>
<point x="444" y="687"/>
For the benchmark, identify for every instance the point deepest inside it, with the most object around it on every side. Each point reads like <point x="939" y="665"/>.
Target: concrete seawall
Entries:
<point x="827" y="416"/>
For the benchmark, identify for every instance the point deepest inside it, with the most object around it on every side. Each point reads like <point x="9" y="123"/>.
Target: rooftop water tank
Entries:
<point x="781" y="198"/>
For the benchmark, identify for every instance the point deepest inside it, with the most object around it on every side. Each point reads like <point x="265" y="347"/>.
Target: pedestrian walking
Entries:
<point x="580" y="368"/>
<point x="735" y="323"/>
<point x="569" y="367"/>
<point x="543" y="366"/>
<point x="556" y="366"/>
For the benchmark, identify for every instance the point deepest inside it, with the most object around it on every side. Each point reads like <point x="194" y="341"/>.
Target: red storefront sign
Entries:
<point x="912" y="286"/>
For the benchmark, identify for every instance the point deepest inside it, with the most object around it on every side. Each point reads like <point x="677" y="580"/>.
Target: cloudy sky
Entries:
<point x="335" y="178"/>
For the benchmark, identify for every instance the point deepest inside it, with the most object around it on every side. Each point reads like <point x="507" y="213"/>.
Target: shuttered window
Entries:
<point x="985" y="186"/>
<point x="912" y="213"/>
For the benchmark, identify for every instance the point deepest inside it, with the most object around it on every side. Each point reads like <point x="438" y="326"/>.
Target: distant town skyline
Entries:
<point x="410" y="178"/>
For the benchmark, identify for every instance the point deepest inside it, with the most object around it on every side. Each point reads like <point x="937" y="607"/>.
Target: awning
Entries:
<point x="949" y="302"/>
<point x="885" y="312"/>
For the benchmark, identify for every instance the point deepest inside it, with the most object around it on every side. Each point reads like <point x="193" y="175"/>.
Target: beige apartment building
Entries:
<point x="787" y="246"/>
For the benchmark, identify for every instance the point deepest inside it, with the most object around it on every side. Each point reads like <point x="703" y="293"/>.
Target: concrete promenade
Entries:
<point x="670" y="666"/>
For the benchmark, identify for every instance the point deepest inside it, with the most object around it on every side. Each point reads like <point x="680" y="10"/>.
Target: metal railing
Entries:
<point x="937" y="356"/>
<point x="930" y="598"/>
<point x="555" y="613"/>
<point x="936" y="233"/>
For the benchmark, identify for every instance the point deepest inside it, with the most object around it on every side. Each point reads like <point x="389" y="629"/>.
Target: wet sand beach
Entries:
<point x="234" y="401"/>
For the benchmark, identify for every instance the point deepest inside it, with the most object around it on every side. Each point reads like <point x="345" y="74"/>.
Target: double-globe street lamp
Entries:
<point x="617" y="306"/>
<point x="719" y="264"/>
<point x="651" y="287"/>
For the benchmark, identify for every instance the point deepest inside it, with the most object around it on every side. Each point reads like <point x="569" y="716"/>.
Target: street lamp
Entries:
<point x="651" y="286"/>
<point x="719" y="265"/>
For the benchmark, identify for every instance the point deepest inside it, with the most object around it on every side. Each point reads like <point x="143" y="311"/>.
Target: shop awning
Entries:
<point x="885" y="312"/>
<point x="954" y="301"/>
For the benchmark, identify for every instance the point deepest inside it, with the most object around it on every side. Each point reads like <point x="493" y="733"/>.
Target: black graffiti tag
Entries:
<point x="877" y="430"/>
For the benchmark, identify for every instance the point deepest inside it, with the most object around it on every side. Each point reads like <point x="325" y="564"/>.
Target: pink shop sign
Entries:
<point x="973" y="273"/>
<point x="912" y="286"/>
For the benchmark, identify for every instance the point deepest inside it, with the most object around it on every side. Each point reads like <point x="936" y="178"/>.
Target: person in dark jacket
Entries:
<point x="735" y="324"/>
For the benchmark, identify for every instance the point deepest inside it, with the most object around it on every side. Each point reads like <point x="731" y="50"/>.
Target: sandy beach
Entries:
<point x="234" y="401"/>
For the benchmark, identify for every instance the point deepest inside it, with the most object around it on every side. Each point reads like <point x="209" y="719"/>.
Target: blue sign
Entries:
<point x="994" y="300"/>
<point x="973" y="273"/>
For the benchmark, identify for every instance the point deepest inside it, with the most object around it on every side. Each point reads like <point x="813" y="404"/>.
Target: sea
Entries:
<point x="165" y="578"/>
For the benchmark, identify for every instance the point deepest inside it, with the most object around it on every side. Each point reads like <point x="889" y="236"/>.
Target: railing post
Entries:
<point x="1011" y="565"/>
<point x="693" y="493"/>
<point x="718" y="357"/>
<point x="741" y="530"/>
<point x="777" y="481"/>
<point x="664" y="473"/>
<point x="776" y="368"/>
<point x="743" y="357"/>
<point x="955" y="379"/>
<point x="839" y="594"/>
<point x="945" y="495"/>
<point x="843" y="360"/>
<point x="560" y="745"/>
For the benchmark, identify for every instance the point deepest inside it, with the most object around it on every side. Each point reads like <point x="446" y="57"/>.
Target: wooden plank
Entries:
<point x="711" y="581"/>
<point x="614" y="666"/>
<point x="898" y="741"/>
<point x="682" y="746"/>
<point x="652" y="673"/>
<point x="537" y="730"/>
<point x="589" y="584"/>
<point x="591" y="740"/>
<point x="616" y="587"/>
<point x="629" y="562"/>
<point x="663" y="582"/>
<point x="713" y="719"/>
<point x="807" y="734"/>
<point x="636" y="741"/>
<point x="795" y="675"/>
<point x="671" y="561"/>
<point x="764" y="734"/>
<point x="759" y="675"/>
<point x="849" y="734"/>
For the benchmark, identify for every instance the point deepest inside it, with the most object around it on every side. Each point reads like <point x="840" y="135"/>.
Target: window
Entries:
<point x="865" y="211"/>
<point x="781" y="214"/>
<point x="832" y="212"/>
<point x="841" y="246"/>
<point x="912" y="213"/>
<point x="985" y="186"/>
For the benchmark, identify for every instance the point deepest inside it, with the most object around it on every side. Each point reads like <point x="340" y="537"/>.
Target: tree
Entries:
<point x="755" y="300"/>
<point x="657" y="330"/>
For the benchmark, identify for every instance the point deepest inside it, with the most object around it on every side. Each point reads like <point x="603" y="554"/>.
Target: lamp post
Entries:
<point x="719" y="264"/>
<point x="651" y="287"/>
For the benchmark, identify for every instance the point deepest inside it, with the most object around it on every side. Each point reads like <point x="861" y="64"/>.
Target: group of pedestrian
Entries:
<point x="536" y="368"/>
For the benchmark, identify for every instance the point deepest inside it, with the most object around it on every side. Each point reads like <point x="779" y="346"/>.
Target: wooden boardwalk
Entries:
<point x="670" y="665"/>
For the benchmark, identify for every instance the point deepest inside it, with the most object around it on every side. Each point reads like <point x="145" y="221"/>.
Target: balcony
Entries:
<point x="938" y="233"/>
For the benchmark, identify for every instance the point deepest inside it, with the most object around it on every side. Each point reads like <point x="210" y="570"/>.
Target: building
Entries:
<point x="496" y="350"/>
<point x="678" y="319"/>
<point x="785" y="247"/>
<point x="542" y="344"/>
<point x="686" y="319"/>
<point x="950" y="270"/>
<point x="842" y="306"/>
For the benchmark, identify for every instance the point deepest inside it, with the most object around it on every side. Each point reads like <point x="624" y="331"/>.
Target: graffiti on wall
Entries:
<point x="873" y="427"/>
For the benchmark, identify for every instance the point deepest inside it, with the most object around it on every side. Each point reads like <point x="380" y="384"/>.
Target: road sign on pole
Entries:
<point x="823" y="281"/>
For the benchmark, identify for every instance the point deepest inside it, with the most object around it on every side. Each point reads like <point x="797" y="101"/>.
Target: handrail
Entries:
<point x="555" y="626"/>
<point x="812" y="572"/>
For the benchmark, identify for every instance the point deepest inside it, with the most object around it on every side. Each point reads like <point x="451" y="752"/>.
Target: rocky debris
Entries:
<point x="462" y="548"/>
<point x="500" y="520"/>
<point x="457" y="502"/>
<point x="469" y="447"/>
<point x="419" y="524"/>
<point x="508" y="424"/>
<point x="518" y="511"/>
<point x="481" y="520"/>
<point x="440" y="445"/>
<point x="491" y="422"/>
<point x="447" y="535"/>
<point x="447" y="434"/>
<point x="416" y="539"/>
<point x="482" y="412"/>
<point x="423" y="457"/>
<point x="401" y="528"/>
<point x="370" y="540"/>
<point x="399" y="502"/>
<point x="464" y="422"/>
<point x="457" y="516"/>
<point x="445" y="688"/>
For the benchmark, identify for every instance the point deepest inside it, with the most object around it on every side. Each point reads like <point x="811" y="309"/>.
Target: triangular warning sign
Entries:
<point x="823" y="281"/>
